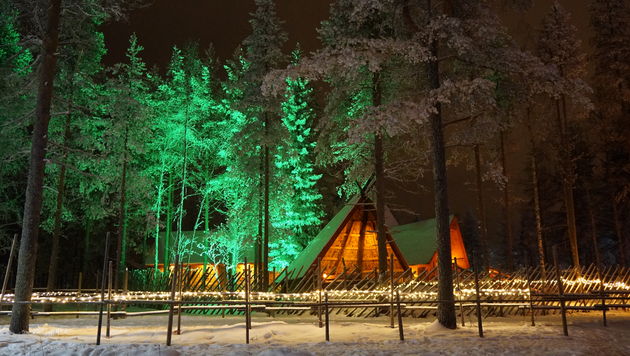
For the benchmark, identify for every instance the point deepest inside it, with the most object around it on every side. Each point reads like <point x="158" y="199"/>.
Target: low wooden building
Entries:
<point x="418" y="244"/>
<point x="193" y="257"/>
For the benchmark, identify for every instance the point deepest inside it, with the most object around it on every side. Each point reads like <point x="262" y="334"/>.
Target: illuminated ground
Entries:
<point x="290" y="336"/>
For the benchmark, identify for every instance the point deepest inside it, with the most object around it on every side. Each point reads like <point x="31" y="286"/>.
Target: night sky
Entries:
<point x="222" y="23"/>
<point x="225" y="24"/>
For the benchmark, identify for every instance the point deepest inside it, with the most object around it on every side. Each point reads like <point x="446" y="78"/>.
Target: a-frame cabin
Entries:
<point x="347" y="242"/>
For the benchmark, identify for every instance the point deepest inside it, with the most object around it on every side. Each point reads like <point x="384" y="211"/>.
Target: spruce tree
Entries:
<point x="299" y="212"/>
<point x="16" y="98"/>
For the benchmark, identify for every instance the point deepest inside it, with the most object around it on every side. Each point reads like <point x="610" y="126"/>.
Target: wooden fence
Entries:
<point x="501" y="294"/>
<point x="355" y="294"/>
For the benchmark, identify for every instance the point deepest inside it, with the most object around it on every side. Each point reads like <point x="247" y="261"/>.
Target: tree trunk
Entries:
<point x="258" y="253"/>
<point x="446" y="304"/>
<point x="591" y="214"/>
<point x="265" y="267"/>
<point x="160" y="192"/>
<point x="61" y="188"/>
<point x="619" y="232"/>
<point x="121" y="243"/>
<point x="537" y="213"/>
<point x="86" y="247"/>
<point x="567" y="183"/>
<point x="571" y="223"/>
<point x="506" y="204"/>
<point x="33" y="200"/>
<point x="169" y="224"/>
<point x="206" y="230"/>
<point x="380" y="185"/>
<point x="182" y="195"/>
<point x="483" y="231"/>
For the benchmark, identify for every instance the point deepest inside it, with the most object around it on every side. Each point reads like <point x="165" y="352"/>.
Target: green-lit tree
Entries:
<point x="297" y="198"/>
<point x="236" y="188"/>
<point x="263" y="50"/>
<point x="16" y="97"/>
<point x="182" y="104"/>
<point x="76" y="96"/>
<point x="126" y="139"/>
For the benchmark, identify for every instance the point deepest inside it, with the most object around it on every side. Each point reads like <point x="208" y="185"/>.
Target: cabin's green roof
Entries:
<point x="306" y="258"/>
<point x="416" y="241"/>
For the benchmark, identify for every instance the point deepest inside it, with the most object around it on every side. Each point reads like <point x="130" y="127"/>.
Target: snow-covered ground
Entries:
<point x="349" y="336"/>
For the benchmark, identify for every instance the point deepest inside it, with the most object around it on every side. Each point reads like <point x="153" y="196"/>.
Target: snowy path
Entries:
<point x="288" y="336"/>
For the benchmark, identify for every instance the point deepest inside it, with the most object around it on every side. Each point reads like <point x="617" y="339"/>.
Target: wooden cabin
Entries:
<point x="347" y="242"/>
<point x="417" y="242"/>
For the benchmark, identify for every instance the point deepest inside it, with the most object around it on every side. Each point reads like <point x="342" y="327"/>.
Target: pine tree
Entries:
<point x="78" y="66"/>
<point x="610" y="20"/>
<point x="558" y="46"/>
<point x="71" y="27"/>
<point x="263" y="50"/>
<point x="32" y="207"/>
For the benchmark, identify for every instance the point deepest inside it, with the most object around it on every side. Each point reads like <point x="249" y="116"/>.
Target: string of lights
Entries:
<point x="464" y="291"/>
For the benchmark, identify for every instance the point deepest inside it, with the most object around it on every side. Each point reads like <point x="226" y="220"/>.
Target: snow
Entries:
<point x="298" y="336"/>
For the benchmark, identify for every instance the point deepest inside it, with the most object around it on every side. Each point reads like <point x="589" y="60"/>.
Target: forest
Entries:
<point x="218" y="157"/>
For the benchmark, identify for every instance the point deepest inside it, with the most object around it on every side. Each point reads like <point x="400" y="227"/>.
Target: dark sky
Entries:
<point x="223" y="23"/>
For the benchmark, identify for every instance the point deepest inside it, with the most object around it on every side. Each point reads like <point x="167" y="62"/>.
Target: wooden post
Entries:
<point x="531" y="301"/>
<point x="478" y="301"/>
<point x="169" y="329"/>
<point x="319" y="292"/>
<point x="401" y="332"/>
<point x="273" y="282"/>
<point x="224" y="288"/>
<point x="80" y="284"/>
<point x="109" y="297"/>
<point x="391" y="291"/>
<point x="560" y="291"/>
<point x="125" y="287"/>
<point x="327" y="318"/>
<point x="180" y="282"/>
<point x="126" y="281"/>
<point x="459" y="288"/>
<point x="247" y="324"/>
<point x="603" y="294"/>
<point x="100" y="313"/>
<point x="8" y="271"/>
<point x="377" y="311"/>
